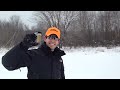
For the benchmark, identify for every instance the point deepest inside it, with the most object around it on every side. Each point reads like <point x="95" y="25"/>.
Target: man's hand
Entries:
<point x="29" y="41"/>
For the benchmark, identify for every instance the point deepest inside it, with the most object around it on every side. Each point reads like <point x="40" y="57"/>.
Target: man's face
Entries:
<point x="52" y="41"/>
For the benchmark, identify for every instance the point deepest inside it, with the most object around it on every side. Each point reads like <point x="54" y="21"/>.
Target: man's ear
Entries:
<point x="44" y="38"/>
<point x="59" y="40"/>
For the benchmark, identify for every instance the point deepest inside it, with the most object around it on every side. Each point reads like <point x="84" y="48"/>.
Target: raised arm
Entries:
<point x="19" y="56"/>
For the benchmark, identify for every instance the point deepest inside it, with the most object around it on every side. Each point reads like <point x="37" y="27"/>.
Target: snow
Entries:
<point x="79" y="63"/>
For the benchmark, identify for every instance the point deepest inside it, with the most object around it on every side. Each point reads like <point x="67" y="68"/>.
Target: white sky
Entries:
<point x="81" y="63"/>
<point x="26" y="16"/>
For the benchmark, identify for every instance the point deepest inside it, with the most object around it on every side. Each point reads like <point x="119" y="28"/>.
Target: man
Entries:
<point x="42" y="63"/>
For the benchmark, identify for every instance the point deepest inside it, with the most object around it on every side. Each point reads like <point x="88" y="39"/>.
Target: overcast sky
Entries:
<point x="26" y="16"/>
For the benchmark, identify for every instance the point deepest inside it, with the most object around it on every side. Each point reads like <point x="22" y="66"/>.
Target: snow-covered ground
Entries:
<point x="79" y="63"/>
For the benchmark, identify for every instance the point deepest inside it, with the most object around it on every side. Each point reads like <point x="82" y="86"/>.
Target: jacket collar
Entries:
<point x="48" y="51"/>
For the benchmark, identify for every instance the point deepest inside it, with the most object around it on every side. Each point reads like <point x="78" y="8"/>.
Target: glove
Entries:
<point x="29" y="41"/>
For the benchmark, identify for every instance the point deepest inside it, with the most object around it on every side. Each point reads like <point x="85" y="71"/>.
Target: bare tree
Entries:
<point x="12" y="31"/>
<point x="83" y="27"/>
<point x="59" y="19"/>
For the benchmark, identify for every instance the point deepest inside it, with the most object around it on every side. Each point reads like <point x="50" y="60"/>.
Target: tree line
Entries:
<point x="78" y="28"/>
<point x="12" y="32"/>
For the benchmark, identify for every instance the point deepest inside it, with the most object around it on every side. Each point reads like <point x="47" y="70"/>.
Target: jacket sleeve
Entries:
<point x="62" y="71"/>
<point x="15" y="58"/>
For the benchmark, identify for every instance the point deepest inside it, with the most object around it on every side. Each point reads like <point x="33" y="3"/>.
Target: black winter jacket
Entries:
<point x="41" y="63"/>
